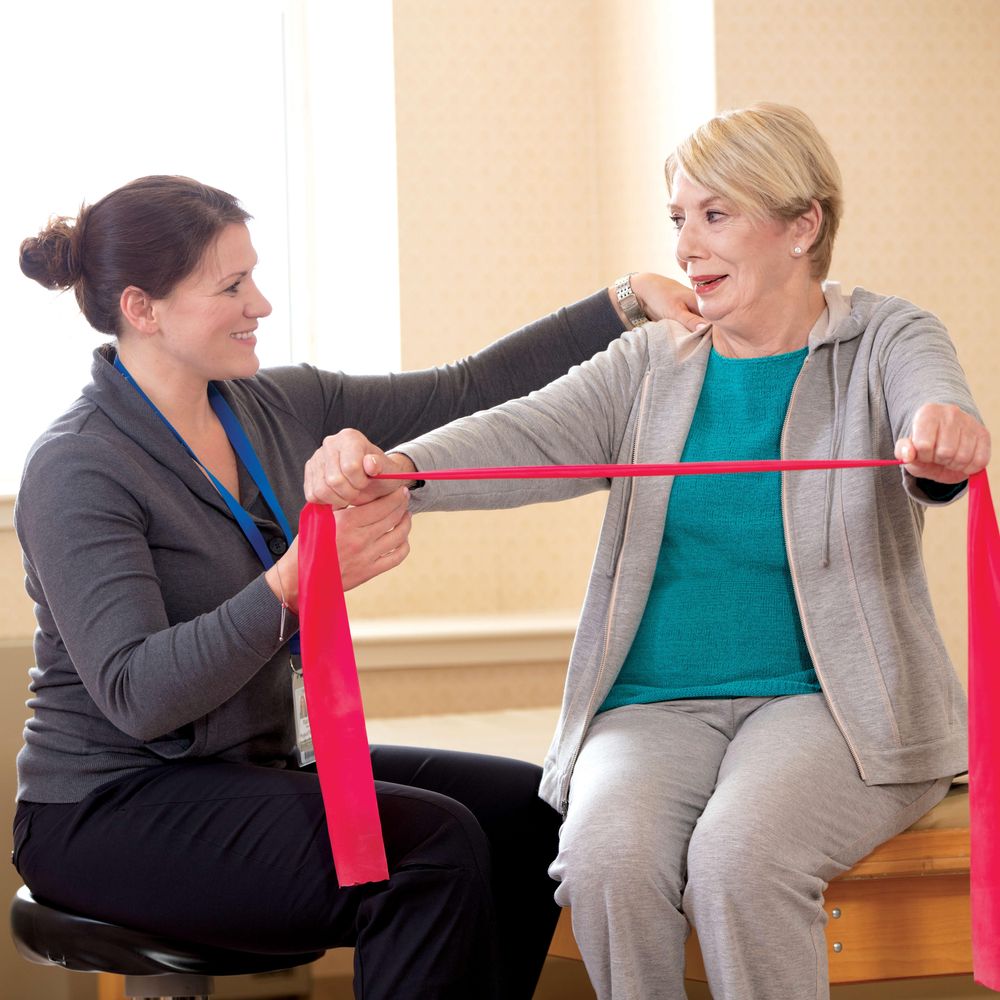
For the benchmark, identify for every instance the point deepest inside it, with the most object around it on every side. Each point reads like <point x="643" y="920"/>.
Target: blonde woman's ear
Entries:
<point x="805" y="229"/>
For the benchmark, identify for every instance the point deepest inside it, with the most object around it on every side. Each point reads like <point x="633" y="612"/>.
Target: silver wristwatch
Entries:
<point x="629" y="303"/>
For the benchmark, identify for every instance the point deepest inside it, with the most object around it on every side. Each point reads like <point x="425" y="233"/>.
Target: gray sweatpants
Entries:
<point x="728" y="814"/>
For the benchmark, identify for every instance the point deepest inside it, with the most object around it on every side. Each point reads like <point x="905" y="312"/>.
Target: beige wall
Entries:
<point x="498" y="195"/>
<point x="525" y="130"/>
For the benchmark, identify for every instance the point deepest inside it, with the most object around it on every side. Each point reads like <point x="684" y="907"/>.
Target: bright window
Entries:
<point x="286" y="105"/>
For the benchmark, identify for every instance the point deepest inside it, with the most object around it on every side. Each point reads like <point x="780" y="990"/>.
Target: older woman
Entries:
<point x="758" y="694"/>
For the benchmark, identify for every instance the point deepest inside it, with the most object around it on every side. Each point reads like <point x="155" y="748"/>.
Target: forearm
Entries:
<point x="180" y="673"/>
<point x="577" y="420"/>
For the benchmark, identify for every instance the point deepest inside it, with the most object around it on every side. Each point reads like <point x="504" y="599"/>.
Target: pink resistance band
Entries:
<point x="333" y="697"/>
<point x="337" y="717"/>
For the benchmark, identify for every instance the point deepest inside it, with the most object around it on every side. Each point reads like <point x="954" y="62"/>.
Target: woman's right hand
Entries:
<point x="340" y="470"/>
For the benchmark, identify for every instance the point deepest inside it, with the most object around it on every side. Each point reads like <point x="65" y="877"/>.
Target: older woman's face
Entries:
<point x="741" y="269"/>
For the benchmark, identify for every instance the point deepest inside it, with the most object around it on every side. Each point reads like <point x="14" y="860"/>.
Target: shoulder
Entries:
<point x="80" y="459"/>
<point x="301" y="393"/>
<point x="73" y="482"/>
<point x="662" y="347"/>
<point x="874" y="312"/>
<point x="280" y="388"/>
<point x="659" y="343"/>
<point x="61" y="454"/>
<point x="81" y="433"/>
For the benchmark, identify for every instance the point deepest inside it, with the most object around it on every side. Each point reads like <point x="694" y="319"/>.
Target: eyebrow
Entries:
<point x="228" y="279"/>
<point x="704" y="203"/>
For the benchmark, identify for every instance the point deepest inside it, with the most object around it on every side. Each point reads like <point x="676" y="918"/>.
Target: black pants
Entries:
<point x="238" y="856"/>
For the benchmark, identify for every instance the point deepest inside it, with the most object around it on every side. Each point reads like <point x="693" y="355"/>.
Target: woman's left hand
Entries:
<point x="945" y="444"/>
<point x="340" y="470"/>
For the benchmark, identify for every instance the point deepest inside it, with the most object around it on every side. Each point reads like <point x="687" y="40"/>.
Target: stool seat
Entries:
<point x="47" y="935"/>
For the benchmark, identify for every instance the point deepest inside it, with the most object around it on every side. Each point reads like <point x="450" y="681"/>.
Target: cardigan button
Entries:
<point x="278" y="546"/>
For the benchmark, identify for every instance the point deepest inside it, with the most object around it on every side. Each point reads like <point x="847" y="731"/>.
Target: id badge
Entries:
<point x="303" y="732"/>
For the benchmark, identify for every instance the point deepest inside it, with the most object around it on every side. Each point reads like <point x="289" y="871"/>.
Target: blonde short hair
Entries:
<point x="770" y="161"/>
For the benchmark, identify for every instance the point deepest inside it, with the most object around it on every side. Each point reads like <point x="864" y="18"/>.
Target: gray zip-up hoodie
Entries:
<point x="853" y="537"/>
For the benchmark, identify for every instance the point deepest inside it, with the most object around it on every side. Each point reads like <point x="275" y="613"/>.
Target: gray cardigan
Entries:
<point x="157" y="636"/>
<point x="853" y="537"/>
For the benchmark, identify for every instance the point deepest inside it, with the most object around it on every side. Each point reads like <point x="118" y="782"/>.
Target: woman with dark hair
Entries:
<point x="154" y="515"/>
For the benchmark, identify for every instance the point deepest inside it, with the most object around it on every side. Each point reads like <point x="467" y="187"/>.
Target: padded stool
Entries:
<point x="152" y="966"/>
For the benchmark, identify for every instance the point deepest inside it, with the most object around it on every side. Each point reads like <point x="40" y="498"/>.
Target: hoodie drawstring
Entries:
<point x="835" y="436"/>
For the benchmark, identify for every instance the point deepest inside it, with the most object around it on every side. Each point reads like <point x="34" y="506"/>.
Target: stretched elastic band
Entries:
<point x="669" y="469"/>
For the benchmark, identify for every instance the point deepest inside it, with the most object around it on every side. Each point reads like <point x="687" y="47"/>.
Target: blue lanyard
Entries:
<point x="242" y="446"/>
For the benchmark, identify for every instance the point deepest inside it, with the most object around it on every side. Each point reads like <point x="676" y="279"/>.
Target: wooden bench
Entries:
<point x="902" y="912"/>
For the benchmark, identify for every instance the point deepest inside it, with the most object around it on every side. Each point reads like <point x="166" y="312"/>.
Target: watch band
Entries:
<point x="630" y="305"/>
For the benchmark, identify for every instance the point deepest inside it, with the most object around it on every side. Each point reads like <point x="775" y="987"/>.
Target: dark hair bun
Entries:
<point x="52" y="258"/>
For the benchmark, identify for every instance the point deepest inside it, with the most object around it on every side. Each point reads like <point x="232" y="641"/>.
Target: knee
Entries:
<point x="731" y="867"/>
<point x="611" y="859"/>
<point x="425" y="830"/>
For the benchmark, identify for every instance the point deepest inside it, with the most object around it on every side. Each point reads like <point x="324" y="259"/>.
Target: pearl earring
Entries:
<point x="796" y="251"/>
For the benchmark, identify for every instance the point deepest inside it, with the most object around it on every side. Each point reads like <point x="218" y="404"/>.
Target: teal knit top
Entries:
<point x="721" y="619"/>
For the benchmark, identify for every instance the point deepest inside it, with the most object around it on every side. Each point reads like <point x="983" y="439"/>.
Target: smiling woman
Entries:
<point x="155" y="517"/>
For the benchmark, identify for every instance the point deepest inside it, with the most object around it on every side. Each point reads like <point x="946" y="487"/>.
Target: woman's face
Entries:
<point x="741" y="269"/>
<point x="207" y="322"/>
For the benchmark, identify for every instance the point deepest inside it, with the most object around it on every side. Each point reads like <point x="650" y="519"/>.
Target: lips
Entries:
<point x="703" y="284"/>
